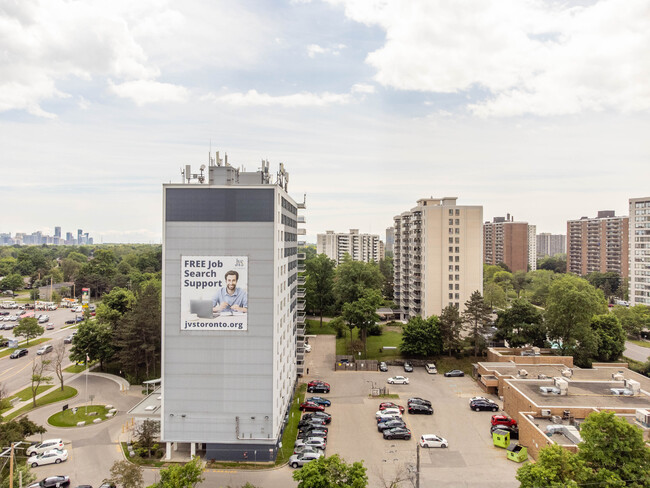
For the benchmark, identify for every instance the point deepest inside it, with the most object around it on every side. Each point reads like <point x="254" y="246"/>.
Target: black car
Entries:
<point x="419" y="401"/>
<point x="408" y="367"/>
<point x="318" y="388"/>
<point x="312" y="433"/>
<point x="397" y="433"/>
<point x="514" y="431"/>
<point x="383" y="366"/>
<point x="52" y="482"/>
<point x="454" y="372"/>
<point x="310" y="423"/>
<point x="312" y="428"/>
<point x="319" y="401"/>
<point x="485" y="405"/>
<point x="318" y="415"/>
<point x="420" y="408"/>
<point x="390" y="424"/>
<point x="18" y="353"/>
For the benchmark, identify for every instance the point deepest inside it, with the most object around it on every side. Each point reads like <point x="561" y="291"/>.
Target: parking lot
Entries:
<point x="470" y="460"/>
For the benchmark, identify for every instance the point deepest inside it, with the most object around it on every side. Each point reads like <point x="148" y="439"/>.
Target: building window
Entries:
<point x="457" y="296"/>
<point x="451" y="259"/>
<point x="451" y="240"/>
<point x="451" y="231"/>
<point x="457" y="240"/>
<point x="458" y="249"/>
<point x="451" y="211"/>
<point x="457" y="221"/>
<point x="451" y="221"/>
<point x="451" y="268"/>
<point x="457" y="211"/>
<point x="458" y="259"/>
<point x="456" y="268"/>
<point x="457" y="230"/>
<point x="451" y="277"/>
<point x="451" y="296"/>
<point x="457" y="286"/>
<point x="451" y="249"/>
<point x="451" y="287"/>
<point x="457" y="277"/>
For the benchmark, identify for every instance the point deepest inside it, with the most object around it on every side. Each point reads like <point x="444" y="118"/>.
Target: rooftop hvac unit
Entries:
<point x="536" y="351"/>
<point x="541" y="376"/>
<point x="567" y="373"/>
<point x="546" y="412"/>
<point x="643" y="416"/>
<point x="523" y="373"/>
<point x="556" y="419"/>
<point x="572" y="434"/>
<point x="554" y="429"/>
<point x="617" y="376"/>
<point x="633" y="385"/>
<point x="562" y="385"/>
<point x="621" y="391"/>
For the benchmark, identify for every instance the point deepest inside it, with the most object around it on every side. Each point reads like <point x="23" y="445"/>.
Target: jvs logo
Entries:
<point x="239" y="262"/>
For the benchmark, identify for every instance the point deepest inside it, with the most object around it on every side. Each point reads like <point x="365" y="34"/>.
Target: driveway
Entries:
<point x="638" y="353"/>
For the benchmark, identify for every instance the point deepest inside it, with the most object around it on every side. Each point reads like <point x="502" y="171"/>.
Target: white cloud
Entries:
<point x="314" y="49"/>
<point x="530" y="56"/>
<point x="252" y="98"/>
<point x="144" y="91"/>
<point x="362" y="88"/>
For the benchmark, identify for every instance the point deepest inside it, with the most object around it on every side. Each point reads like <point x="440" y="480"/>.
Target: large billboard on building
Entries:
<point x="214" y="293"/>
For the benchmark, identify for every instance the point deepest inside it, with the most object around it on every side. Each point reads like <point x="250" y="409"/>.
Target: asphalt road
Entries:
<point x="638" y="353"/>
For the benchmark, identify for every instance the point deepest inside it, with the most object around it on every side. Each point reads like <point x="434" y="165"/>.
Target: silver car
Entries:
<point x="298" y="460"/>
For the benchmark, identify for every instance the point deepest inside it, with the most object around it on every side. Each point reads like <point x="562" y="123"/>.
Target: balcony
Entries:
<point x="301" y="280"/>
<point x="302" y="255"/>
<point x="301" y="305"/>
<point x="301" y="232"/>
<point x="302" y="268"/>
<point x="302" y="243"/>
<point x="300" y="332"/>
<point x="301" y="219"/>
<point x="300" y="318"/>
<point x="301" y="293"/>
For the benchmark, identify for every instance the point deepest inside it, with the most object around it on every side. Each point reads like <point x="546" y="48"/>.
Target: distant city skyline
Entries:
<point x="537" y="108"/>
<point x="38" y="238"/>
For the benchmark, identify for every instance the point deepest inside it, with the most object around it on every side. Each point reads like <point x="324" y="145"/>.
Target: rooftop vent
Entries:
<point x="522" y="373"/>
<point x="633" y="385"/>
<point x="541" y="376"/>
<point x="618" y="376"/>
<point x="567" y="373"/>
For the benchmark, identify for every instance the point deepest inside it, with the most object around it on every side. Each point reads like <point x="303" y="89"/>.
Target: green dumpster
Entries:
<point x="501" y="438"/>
<point x="517" y="453"/>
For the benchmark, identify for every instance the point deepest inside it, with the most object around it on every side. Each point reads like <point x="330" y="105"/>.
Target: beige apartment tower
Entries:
<point x="437" y="256"/>
<point x="599" y="244"/>
<point x="640" y="251"/>
<point x="360" y="247"/>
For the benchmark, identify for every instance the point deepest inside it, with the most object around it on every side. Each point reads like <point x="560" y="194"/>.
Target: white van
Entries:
<point x="431" y="368"/>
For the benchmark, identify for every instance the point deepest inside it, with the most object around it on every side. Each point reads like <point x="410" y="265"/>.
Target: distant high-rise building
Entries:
<point x="509" y="242"/>
<point x="437" y="258"/>
<point x="57" y="232"/>
<point x="599" y="244"/>
<point x="550" y="244"/>
<point x="390" y="238"/>
<point x="639" y="287"/>
<point x="68" y="238"/>
<point x="360" y="247"/>
<point x="532" y="247"/>
<point x="80" y="237"/>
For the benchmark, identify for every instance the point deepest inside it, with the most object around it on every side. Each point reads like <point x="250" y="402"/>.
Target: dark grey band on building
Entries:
<point x="219" y="205"/>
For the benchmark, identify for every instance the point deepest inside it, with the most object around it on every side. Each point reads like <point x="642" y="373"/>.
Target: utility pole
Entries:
<point x="417" y="466"/>
<point x="11" y="467"/>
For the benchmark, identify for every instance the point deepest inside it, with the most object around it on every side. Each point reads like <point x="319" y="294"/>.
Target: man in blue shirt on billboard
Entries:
<point x="230" y="298"/>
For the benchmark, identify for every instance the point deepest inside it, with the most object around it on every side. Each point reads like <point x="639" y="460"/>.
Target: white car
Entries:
<point x="44" y="349"/>
<point x="316" y="442"/>
<point x="307" y="347"/>
<point x="432" y="440"/>
<point x="387" y="416"/>
<point x="53" y="456"/>
<point x="398" y="380"/>
<point x="479" y="398"/>
<point x="45" y="446"/>
<point x="395" y="412"/>
<point x="298" y="460"/>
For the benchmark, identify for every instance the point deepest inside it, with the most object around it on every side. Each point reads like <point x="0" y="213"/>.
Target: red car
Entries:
<point x="503" y="420"/>
<point x="311" y="407"/>
<point x="385" y="405"/>
<point x="318" y="382"/>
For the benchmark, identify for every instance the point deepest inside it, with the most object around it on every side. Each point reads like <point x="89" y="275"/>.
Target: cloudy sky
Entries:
<point x="536" y="108"/>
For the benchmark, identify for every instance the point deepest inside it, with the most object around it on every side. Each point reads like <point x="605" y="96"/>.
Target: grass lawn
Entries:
<point x="314" y="328"/>
<point x="33" y="342"/>
<point x="373" y="345"/>
<point x="26" y="394"/>
<point x="78" y="368"/>
<point x="291" y="430"/>
<point x="55" y="396"/>
<point x="640" y="343"/>
<point x="67" y="418"/>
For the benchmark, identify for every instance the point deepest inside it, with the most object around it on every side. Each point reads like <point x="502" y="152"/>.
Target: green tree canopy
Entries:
<point x="331" y="472"/>
<point x="555" y="468"/>
<point x="494" y="295"/>
<point x="185" y="475"/>
<point x="611" y="337"/>
<point x="541" y="280"/>
<point x="386" y="268"/>
<point x="556" y="263"/>
<point x="421" y="337"/>
<point x="521" y="324"/>
<point x="477" y="318"/>
<point x="94" y="339"/>
<point x="319" y="283"/>
<point x="520" y="280"/>
<point x="28" y="328"/>
<point x="12" y="282"/>
<point x="451" y="325"/>
<point x="353" y="278"/>
<point x="633" y="319"/>
<point x="362" y="313"/>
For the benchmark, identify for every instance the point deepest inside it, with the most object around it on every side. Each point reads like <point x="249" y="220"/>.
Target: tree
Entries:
<point x="477" y="318"/>
<point x="386" y="268"/>
<point x="126" y="474"/>
<point x="611" y="337"/>
<point x="28" y="328"/>
<point x="421" y="337"/>
<point x="147" y="433"/>
<point x="114" y="305"/>
<point x="633" y="319"/>
<point x="555" y="468"/>
<point x="39" y="367"/>
<point x="353" y="278"/>
<point x="320" y="283"/>
<point x="521" y="324"/>
<point x="609" y="282"/>
<point x="556" y="263"/>
<point x="70" y="268"/>
<point x="23" y="476"/>
<point x="181" y="476"/>
<point x="541" y="280"/>
<point x="570" y="305"/>
<point x="520" y="280"/>
<point x="94" y="340"/>
<point x="12" y="282"/>
<point x="494" y="295"/>
<point x="451" y="325"/>
<point x="503" y="279"/>
<point x="331" y="472"/>
<point x="362" y="313"/>
<point x="489" y="271"/>
<point x="338" y="324"/>
<point x="57" y="362"/>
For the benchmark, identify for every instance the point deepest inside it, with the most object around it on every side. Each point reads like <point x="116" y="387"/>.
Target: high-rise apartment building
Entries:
<point x="599" y="244"/>
<point x="550" y="244"/>
<point x="639" y="251"/>
<point x="532" y="247"/>
<point x="360" y="247"/>
<point x="509" y="242"/>
<point x="437" y="258"/>
<point x="390" y="239"/>
<point x="232" y="313"/>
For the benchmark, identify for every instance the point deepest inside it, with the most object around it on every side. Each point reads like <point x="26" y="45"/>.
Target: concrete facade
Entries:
<point x="639" y="251"/>
<point x="437" y="256"/>
<point x="229" y="390"/>
<point x="550" y="244"/>
<point x="360" y="247"/>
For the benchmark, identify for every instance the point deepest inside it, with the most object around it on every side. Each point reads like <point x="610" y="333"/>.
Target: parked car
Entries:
<point x="316" y="442"/>
<point x="454" y="372"/>
<point x="320" y="415"/>
<point x="387" y="416"/>
<point x="431" y="368"/>
<point x="300" y="450"/>
<point x="49" y="326"/>
<point x="314" y="432"/>
<point x="52" y="482"/>
<point x="388" y="411"/>
<point x="398" y="380"/>
<point x="311" y="407"/>
<point x="46" y="445"/>
<point x="383" y="366"/>
<point x="408" y="367"/>
<point x="420" y="408"/>
<point x="478" y="405"/>
<point x="298" y="460"/>
<point x="503" y="420"/>
<point x="418" y="400"/>
<point x="513" y="430"/>
<point x="318" y="388"/>
<point x="18" y="353"/>
<point x="317" y="382"/>
<point x="44" y="349"/>
<point x="319" y="401"/>
<point x="390" y="424"/>
<point x="385" y="405"/>
<point x="306" y="428"/>
<point x="68" y="339"/>
<point x="310" y="423"/>
<point x="432" y="440"/>
<point x="397" y="433"/>
<point x="53" y="456"/>
<point x="473" y="399"/>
